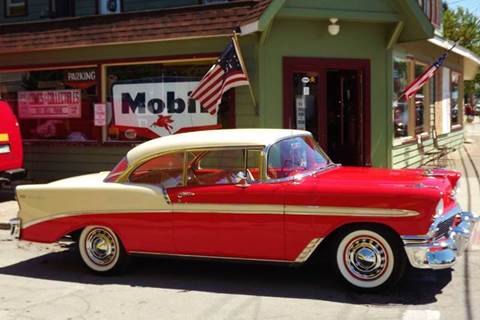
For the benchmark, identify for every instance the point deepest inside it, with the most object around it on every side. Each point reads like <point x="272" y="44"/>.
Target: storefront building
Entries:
<point x="76" y="78"/>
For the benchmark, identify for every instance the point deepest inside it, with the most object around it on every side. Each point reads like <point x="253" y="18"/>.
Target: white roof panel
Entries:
<point x="211" y="138"/>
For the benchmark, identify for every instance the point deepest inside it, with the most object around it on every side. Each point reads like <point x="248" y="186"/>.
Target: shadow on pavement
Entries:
<point x="306" y="282"/>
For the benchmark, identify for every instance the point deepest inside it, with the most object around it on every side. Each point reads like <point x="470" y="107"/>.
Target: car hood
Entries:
<point x="390" y="177"/>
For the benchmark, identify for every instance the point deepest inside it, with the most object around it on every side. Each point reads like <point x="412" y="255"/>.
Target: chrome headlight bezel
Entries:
<point x="439" y="209"/>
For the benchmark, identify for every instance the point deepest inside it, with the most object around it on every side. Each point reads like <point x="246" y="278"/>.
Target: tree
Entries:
<point x="463" y="26"/>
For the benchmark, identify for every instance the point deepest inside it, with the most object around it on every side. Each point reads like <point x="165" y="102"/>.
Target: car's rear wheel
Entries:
<point x="368" y="258"/>
<point x="101" y="250"/>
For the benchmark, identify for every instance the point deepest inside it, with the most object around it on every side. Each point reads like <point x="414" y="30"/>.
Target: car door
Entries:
<point x="152" y="230"/>
<point x="221" y="213"/>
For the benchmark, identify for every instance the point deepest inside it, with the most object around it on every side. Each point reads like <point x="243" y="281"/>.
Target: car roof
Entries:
<point x="212" y="138"/>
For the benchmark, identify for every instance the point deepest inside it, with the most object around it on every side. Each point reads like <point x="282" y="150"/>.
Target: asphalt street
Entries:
<point x="48" y="282"/>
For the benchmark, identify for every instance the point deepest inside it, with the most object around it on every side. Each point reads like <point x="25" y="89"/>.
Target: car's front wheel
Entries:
<point x="368" y="258"/>
<point x="101" y="250"/>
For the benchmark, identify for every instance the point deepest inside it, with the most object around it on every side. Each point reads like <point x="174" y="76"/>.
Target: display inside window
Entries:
<point x="454" y="98"/>
<point x="305" y="101"/>
<point x="400" y="105"/>
<point x="15" y="8"/>
<point x="150" y="100"/>
<point x="53" y="104"/>
<point x="420" y="102"/>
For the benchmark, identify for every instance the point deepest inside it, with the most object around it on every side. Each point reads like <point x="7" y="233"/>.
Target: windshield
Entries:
<point x="293" y="156"/>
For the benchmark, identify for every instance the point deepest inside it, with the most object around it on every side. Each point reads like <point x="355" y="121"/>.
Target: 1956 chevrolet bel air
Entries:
<point x="252" y="194"/>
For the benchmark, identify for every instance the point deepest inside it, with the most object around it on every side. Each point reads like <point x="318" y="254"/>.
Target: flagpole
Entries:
<point x="244" y="69"/>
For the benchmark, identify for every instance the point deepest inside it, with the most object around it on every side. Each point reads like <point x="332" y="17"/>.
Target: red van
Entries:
<point x="11" y="148"/>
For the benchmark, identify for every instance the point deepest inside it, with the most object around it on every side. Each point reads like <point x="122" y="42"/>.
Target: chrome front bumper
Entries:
<point x="427" y="253"/>
<point x="15" y="227"/>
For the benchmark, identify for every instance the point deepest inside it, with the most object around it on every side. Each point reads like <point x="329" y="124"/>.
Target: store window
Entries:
<point x="420" y="102"/>
<point x="53" y="104"/>
<point x="15" y="8"/>
<point x="455" y="98"/>
<point x="150" y="100"/>
<point x="400" y="105"/>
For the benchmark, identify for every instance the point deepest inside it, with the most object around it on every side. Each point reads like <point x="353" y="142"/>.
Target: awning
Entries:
<point x="471" y="62"/>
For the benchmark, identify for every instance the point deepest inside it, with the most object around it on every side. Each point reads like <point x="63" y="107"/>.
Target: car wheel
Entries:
<point x="368" y="259"/>
<point x="101" y="251"/>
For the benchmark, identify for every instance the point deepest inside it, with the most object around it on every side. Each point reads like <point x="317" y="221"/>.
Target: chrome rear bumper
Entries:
<point x="15" y="227"/>
<point x="441" y="253"/>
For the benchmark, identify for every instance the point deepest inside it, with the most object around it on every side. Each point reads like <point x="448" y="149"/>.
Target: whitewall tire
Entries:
<point x="368" y="258"/>
<point x="100" y="250"/>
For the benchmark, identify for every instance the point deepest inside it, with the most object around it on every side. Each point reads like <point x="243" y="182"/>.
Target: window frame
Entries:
<point x="460" y="104"/>
<point x="8" y="5"/>
<point x="245" y="149"/>
<point x="411" y="136"/>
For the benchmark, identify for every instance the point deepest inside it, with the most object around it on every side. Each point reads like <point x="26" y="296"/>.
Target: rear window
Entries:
<point x="117" y="170"/>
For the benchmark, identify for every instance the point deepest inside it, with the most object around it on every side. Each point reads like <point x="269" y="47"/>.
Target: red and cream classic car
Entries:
<point x="252" y="194"/>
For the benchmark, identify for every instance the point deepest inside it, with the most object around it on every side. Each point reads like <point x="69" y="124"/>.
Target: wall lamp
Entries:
<point x="333" y="27"/>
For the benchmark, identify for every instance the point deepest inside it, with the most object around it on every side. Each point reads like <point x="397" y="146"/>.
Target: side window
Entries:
<point x="224" y="167"/>
<point x="165" y="171"/>
<point x="293" y="156"/>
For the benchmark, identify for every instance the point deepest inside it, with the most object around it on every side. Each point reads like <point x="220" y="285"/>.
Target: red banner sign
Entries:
<point x="50" y="104"/>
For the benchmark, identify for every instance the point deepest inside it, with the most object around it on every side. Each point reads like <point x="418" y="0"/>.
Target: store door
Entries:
<point x="330" y="98"/>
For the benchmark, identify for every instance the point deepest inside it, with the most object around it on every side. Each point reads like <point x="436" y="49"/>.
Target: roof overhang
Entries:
<point x="471" y="62"/>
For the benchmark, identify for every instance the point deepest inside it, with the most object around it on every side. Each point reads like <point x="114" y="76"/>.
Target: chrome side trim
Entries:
<point x="74" y="214"/>
<point x="348" y="211"/>
<point x="206" y="257"/>
<point x="228" y="208"/>
<point x="308" y="250"/>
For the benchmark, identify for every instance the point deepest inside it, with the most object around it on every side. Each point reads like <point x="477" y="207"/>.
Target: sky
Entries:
<point x="471" y="5"/>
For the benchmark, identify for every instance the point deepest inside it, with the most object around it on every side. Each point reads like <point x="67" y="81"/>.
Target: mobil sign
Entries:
<point x="163" y="108"/>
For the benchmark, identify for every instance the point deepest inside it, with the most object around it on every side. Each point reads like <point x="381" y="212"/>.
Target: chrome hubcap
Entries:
<point x="365" y="258"/>
<point x="101" y="246"/>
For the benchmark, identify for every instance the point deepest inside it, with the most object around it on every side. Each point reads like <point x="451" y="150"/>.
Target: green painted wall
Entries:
<point x="413" y="156"/>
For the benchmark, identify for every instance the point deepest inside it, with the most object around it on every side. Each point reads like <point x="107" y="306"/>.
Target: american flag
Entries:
<point x="225" y="74"/>
<point x="418" y="83"/>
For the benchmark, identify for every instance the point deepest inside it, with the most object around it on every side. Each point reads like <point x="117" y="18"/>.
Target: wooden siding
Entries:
<point x="411" y="155"/>
<point x="56" y="162"/>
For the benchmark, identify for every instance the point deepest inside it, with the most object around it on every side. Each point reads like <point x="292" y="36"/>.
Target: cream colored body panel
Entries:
<point x="86" y="195"/>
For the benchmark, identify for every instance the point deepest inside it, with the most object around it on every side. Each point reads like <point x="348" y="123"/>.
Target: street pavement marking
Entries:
<point x="421" y="315"/>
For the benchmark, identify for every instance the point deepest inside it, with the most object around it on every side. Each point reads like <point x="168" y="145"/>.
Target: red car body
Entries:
<point x="11" y="148"/>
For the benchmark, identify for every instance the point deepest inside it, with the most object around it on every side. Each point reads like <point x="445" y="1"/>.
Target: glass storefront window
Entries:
<point x="420" y="102"/>
<point x="454" y="98"/>
<point x="53" y="104"/>
<point x="150" y="100"/>
<point x="400" y="105"/>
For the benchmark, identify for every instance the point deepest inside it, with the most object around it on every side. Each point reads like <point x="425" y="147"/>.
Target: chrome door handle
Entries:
<point x="185" y="194"/>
